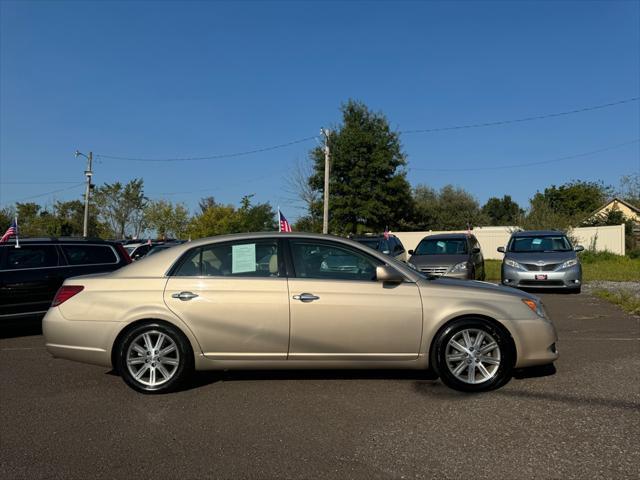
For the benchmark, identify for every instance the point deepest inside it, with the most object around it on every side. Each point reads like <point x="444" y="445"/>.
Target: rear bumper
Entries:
<point x="82" y="341"/>
<point x="570" y="278"/>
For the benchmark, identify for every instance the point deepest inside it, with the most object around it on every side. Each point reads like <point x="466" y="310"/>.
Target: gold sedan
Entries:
<point x="289" y="301"/>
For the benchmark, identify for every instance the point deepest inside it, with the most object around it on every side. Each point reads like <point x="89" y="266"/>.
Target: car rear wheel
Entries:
<point x="154" y="358"/>
<point x="473" y="355"/>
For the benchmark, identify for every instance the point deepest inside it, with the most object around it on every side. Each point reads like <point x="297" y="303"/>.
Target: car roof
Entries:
<point x="157" y="265"/>
<point x="29" y="240"/>
<point x="443" y="236"/>
<point x="539" y="233"/>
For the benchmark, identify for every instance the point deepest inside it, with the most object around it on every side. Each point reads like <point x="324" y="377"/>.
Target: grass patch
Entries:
<point x="629" y="302"/>
<point x="595" y="266"/>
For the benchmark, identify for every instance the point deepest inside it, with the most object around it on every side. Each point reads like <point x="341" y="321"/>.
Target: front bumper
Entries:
<point x="570" y="278"/>
<point x="535" y="341"/>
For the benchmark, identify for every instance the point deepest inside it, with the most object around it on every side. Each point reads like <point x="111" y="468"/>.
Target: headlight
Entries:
<point x="513" y="263"/>
<point x="535" y="306"/>
<point x="460" y="267"/>
<point x="569" y="263"/>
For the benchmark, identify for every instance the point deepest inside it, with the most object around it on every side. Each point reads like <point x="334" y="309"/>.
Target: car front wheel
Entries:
<point x="154" y="358"/>
<point x="473" y="355"/>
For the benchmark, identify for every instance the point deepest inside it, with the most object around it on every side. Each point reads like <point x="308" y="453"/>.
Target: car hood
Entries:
<point x="546" y="257"/>
<point x="435" y="260"/>
<point x="480" y="287"/>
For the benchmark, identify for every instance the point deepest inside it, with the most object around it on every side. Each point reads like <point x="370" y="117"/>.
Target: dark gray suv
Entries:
<point x="455" y="255"/>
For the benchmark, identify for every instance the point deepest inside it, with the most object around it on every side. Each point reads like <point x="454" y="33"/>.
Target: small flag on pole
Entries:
<point x="283" y="224"/>
<point x="12" y="231"/>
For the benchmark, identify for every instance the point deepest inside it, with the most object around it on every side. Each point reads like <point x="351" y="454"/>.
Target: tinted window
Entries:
<point x="32" y="256"/>
<point x="254" y="259"/>
<point x="445" y="246"/>
<point x="371" y="243"/>
<point x="88" y="254"/>
<point x="324" y="261"/>
<point x="546" y="243"/>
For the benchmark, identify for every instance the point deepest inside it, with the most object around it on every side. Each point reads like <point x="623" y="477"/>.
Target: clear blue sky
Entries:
<point x="183" y="79"/>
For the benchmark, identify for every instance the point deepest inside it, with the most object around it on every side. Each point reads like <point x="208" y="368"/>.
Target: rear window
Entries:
<point x="89" y="254"/>
<point x="32" y="256"/>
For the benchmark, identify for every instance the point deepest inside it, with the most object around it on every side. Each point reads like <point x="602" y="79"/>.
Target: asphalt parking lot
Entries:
<point x="61" y="419"/>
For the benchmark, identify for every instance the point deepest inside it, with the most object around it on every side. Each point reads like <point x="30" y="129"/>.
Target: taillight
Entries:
<point x="65" y="293"/>
<point x="123" y="253"/>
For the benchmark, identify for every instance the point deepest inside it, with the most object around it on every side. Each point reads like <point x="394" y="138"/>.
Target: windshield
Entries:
<point x="448" y="246"/>
<point x="546" y="243"/>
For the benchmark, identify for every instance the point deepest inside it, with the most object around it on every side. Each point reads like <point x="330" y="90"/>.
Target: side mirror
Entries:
<point x="501" y="249"/>
<point x="579" y="248"/>
<point x="475" y="250"/>
<point x="385" y="273"/>
<point x="410" y="252"/>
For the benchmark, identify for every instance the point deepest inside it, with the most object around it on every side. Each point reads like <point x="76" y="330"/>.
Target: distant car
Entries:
<point x="391" y="246"/>
<point x="31" y="275"/>
<point x="138" y="250"/>
<point x="456" y="255"/>
<point x="163" y="246"/>
<point x="541" y="259"/>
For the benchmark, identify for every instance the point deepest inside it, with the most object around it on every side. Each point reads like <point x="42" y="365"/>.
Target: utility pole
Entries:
<point x="88" y="173"/>
<point x="327" y="169"/>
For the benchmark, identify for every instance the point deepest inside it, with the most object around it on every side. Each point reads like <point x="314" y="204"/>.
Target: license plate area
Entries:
<point x="540" y="277"/>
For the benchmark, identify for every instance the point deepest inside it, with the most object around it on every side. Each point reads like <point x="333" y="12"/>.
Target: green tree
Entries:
<point x="630" y="189"/>
<point x="575" y="199"/>
<point x="218" y="219"/>
<point x="6" y="217"/>
<point x="502" y="211"/>
<point x="121" y="206"/>
<point x="70" y="218"/>
<point x="368" y="186"/>
<point x="450" y="208"/>
<point x="167" y="219"/>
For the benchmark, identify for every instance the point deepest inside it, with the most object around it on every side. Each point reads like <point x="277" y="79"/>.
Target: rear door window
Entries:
<point x="89" y="254"/>
<point x="241" y="259"/>
<point x="32" y="256"/>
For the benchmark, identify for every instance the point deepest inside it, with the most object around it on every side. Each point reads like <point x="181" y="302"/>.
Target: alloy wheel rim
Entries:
<point x="153" y="358"/>
<point x="473" y="356"/>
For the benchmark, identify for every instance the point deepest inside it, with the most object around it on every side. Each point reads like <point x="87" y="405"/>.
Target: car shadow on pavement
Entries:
<point x="22" y="329"/>
<point x="203" y="378"/>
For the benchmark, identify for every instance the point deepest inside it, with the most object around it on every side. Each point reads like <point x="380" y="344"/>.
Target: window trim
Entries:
<point x="330" y="243"/>
<point x="282" y="272"/>
<point x="61" y="257"/>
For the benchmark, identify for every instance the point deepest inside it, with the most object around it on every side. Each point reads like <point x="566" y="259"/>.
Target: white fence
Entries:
<point x="610" y="238"/>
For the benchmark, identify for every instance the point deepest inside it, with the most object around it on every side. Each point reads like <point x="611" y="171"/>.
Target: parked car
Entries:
<point x="541" y="259"/>
<point x="163" y="246"/>
<point x="138" y="250"/>
<point x="31" y="275"/>
<point x="456" y="255"/>
<point x="391" y="246"/>
<point x="270" y="300"/>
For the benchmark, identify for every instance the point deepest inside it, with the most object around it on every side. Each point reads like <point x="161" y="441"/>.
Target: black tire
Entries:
<point x="177" y="362"/>
<point x="503" y="353"/>
<point x="576" y="290"/>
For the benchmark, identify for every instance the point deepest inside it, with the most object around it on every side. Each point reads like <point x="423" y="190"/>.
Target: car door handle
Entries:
<point x="184" y="296"/>
<point x="306" y="297"/>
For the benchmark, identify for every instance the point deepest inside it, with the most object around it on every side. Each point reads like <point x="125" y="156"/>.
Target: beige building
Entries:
<point x="629" y="211"/>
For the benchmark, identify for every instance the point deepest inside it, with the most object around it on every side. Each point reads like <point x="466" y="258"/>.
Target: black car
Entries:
<point x="391" y="246"/>
<point x="31" y="274"/>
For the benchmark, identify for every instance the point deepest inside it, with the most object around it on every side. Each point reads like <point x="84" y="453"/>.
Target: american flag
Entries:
<point x="283" y="224"/>
<point x="11" y="231"/>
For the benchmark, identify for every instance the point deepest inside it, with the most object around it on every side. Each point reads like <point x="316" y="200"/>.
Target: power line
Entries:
<point x="530" y="164"/>
<point x="47" y="193"/>
<point x="425" y="130"/>
<point x="209" y="157"/>
<point x="36" y="183"/>
<point x="524" y="119"/>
